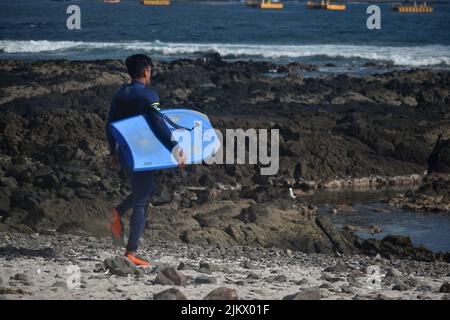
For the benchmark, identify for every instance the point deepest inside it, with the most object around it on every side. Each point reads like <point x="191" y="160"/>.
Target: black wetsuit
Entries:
<point x="131" y="100"/>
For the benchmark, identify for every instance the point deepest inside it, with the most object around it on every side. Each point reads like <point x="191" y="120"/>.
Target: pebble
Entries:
<point x="401" y="287"/>
<point x="248" y="265"/>
<point x="253" y="276"/>
<point x="393" y="272"/>
<point x="20" y="277"/>
<point x="205" y="280"/>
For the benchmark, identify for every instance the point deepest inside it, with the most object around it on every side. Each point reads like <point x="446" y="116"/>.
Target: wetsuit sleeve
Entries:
<point x="159" y="125"/>
<point x="111" y="141"/>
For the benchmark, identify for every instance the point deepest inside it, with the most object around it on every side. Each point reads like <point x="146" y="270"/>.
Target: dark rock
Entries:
<point x="400" y="241"/>
<point x="99" y="267"/>
<point x="206" y="181"/>
<point x="339" y="268"/>
<point x="248" y="265"/>
<point x="424" y="288"/>
<point x="392" y="272"/>
<point x="439" y="159"/>
<point x="164" y="196"/>
<point x="310" y="294"/>
<point x="66" y="193"/>
<point x="19" y="291"/>
<point x="205" y="280"/>
<point x="169" y="294"/>
<point x="340" y="243"/>
<point x="222" y="293"/>
<point x="253" y="276"/>
<point x="332" y="279"/>
<point x="169" y="276"/>
<point x="47" y="181"/>
<point x="21" y="277"/>
<point x="5" y="202"/>
<point x="60" y="284"/>
<point x="184" y="266"/>
<point x="401" y="287"/>
<point x="208" y="268"/>
<point x="396" y="246"/>
<point x="82" y="193"/>
<point x="22" y="228"/>
<point x="302" y="282"/>
<point x="9" y="182"/>
<point x="445" y="288"/>
<point x="252" y="213"/>
<point x="120" y="266"/>
<point x="280" y="278"/>
<point x="348" y="290"/>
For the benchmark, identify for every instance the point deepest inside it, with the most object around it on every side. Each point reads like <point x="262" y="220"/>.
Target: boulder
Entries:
<point x="169" y="276"/>
<point x="310" y="294"/>
<point x="445" y="288"/>
<point x="222" y="293"/>
<point x="169" y="294"/>
<point x="120" y="266"/>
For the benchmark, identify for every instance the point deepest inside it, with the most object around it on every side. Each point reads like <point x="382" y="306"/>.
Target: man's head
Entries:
<point x="139" y="67"/>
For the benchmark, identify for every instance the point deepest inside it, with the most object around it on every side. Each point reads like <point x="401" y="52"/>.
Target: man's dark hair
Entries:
<point x="136" y="64"/>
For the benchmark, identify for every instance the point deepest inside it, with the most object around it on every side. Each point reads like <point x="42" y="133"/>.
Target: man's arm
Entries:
<point x="160" y="128"/>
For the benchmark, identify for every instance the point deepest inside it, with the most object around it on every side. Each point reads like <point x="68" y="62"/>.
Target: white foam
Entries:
<point x="403" y="56"/>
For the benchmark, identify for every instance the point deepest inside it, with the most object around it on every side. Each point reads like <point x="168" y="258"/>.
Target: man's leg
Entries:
<point x="125" y="205"/>
<point x="143" y="188"/>
<point x="116" y="224"/>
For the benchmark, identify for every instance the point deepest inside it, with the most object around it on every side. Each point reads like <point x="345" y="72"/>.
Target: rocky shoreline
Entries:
<point x="335" y="132"/>
<point x="434" y="192"/>
<point x="46" y="267"/>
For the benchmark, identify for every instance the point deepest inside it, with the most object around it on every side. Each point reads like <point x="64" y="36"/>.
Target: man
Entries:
<point x="134" y="99"/>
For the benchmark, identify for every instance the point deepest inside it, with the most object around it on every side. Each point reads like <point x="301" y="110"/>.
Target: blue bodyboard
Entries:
<point x="142" y="151"/>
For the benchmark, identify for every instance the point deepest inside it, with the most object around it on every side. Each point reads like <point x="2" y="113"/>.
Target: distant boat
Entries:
<point x="264" y="4"/>
<point x="155" y="2"/>
<point x="326" y="5"/>
<point x="111" y="1"/>
<point x="421" y="8"/>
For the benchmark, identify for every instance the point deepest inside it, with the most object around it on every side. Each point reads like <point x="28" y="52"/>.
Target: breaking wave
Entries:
<point x="401" y="56"/>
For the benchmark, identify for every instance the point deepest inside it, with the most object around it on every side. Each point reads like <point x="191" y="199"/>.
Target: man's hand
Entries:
<point x="179" y="156"/>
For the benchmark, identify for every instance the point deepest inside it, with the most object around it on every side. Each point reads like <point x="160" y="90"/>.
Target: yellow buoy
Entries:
<point x="339" y="7"/>
<point x="326" y="5"/>
<point x="422" y="8"/>
<point x="264" y="4"/>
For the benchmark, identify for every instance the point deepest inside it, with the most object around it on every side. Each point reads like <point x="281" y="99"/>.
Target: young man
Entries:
<point x="134" y="99"/>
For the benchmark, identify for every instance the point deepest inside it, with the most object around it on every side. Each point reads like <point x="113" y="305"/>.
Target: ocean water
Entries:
<point x="36" y="29"/>
<point x="429" y="229"/>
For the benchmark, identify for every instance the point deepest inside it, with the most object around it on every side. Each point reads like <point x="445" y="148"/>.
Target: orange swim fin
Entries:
<point x="138" y="261"/>
<point x="116" y="227"/>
